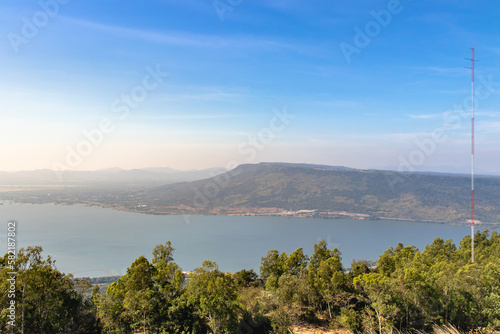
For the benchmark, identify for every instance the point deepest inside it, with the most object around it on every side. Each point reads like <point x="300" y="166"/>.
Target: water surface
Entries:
<point x="93" y="241"/>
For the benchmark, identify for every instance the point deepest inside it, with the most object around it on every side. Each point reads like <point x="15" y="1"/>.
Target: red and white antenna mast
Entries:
<point x="472" y="156"/>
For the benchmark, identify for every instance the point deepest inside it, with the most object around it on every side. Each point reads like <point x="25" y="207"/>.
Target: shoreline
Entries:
<point x="316" y="214"/>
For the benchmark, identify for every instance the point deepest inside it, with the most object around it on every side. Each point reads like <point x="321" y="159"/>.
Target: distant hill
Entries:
<point x="104" y="177"/>
<point x="269" y="189"/>
<point x="379" y="194"/>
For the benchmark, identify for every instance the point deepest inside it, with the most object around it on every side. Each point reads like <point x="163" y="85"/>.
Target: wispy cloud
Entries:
<point x="446" y="71"/>
<point x="207" y="96"/>
<point x="192" y="116"/>
<point x="369" y="139"/>
<point x="203" y="93"/>
<point x="490" y="114"/>
<point x="174" y="38"/>
<point x="341" y="103"/>
<point x="488" y="127"/>
<point x="186" y="39"/>
<point x="494" y="49"/>
<point x="453" y="91"/>
<point x="428" y="116"/>
<point x="409" y="137"/>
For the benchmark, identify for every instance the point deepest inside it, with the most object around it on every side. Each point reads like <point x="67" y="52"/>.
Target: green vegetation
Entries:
<point x="47" y="300"/>
<point x="428" y="290"/>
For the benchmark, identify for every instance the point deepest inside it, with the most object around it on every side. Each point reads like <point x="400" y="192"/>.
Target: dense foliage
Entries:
<point x="408" y="290"/>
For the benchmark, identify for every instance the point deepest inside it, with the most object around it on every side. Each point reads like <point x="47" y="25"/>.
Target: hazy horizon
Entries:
<point x="443" y="169"/>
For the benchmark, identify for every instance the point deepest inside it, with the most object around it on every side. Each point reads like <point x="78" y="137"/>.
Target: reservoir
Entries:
<point x="94" y="241"/>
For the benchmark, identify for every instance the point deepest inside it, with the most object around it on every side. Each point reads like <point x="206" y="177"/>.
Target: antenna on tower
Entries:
<point x="472" y="153"/>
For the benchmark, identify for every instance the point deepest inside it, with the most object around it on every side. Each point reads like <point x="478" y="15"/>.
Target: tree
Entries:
<point x="138" y="284"/>
<point x="322" y="253"/>
<point x="295" y="263"/>
<point x="272" y="264"/>
<point x="490" y="280"/>
<point x="148" y="297"/>
<point x="272" y="267"/>
<point x="111" y="311"/>
<point x="46" y="299"/>
<point x="377" y="290"/>
<point x="245" y="278"/>
<point x="439" y="251"/>
<point x="168" y="275"/>
<point x="326" y="276"/>
<point x="359" y="268"/>
<point x="214" y="295"/>
<point x="330" y="281"/>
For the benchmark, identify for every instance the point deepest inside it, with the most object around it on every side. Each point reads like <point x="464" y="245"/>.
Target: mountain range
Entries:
<point x="377" y="194"/>
<point x="279" y="189"/>
<point x="103" y="177"/>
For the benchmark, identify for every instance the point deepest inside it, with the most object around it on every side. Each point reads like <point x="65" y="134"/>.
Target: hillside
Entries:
<point x="379" y="194"/>
<point x="287" y="190"/>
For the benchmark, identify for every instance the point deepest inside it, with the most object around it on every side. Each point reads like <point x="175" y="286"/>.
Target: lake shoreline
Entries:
<point x="260" y="212"/>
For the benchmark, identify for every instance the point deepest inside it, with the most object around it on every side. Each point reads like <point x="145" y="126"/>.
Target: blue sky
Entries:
<point x="399" y="100"/>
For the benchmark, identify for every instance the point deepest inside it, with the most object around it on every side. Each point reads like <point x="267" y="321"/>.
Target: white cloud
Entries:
<point x="488" y="127"/>
<point x="428" y="116"/>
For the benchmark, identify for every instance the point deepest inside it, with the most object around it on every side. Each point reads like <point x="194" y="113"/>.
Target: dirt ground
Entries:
<point x="305" y="328"/>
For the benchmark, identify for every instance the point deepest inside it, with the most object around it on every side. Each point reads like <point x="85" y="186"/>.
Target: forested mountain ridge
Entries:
<point x="379" y="194"/>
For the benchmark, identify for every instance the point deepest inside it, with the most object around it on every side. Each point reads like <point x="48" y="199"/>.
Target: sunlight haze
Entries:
<point x="186" y="85"/>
